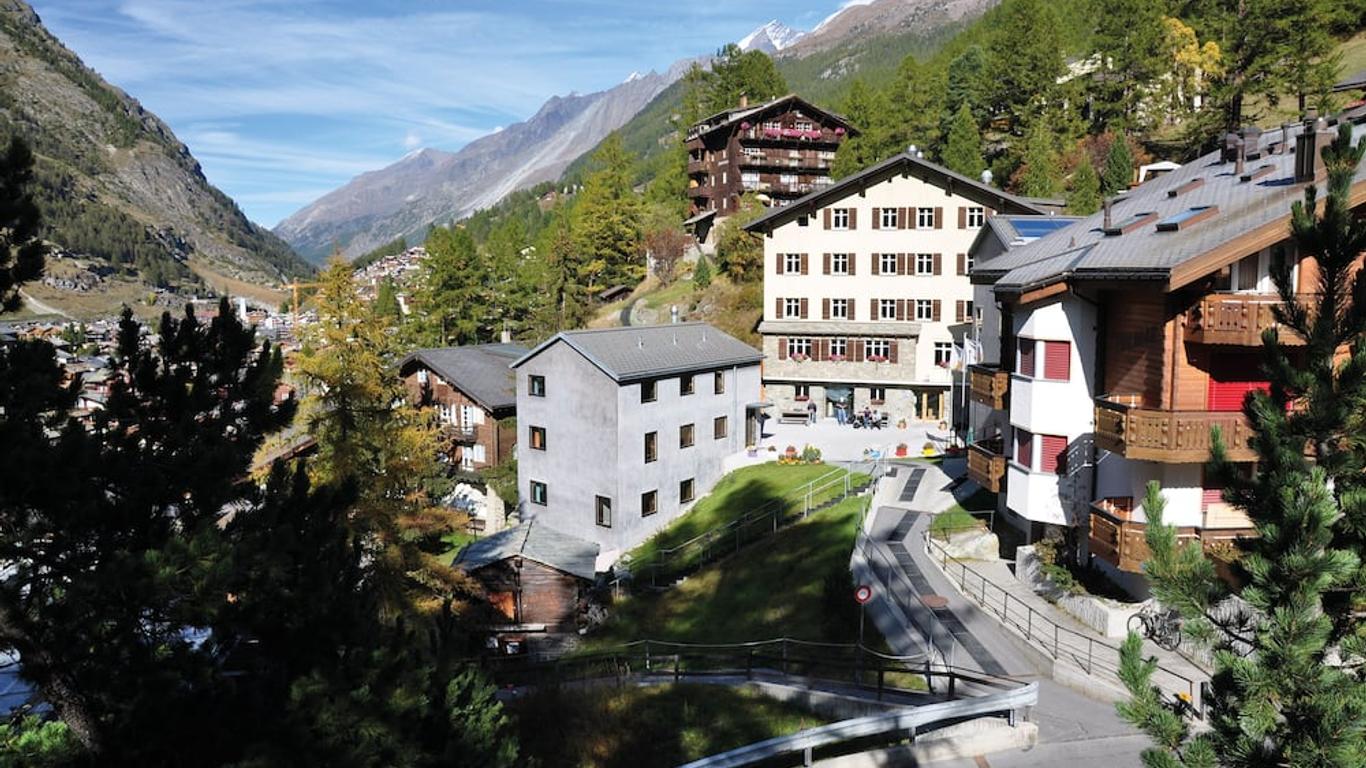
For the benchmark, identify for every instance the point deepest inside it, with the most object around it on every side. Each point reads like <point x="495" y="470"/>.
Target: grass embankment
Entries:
<point x="652" y="726"/>
<point x="969" y="514"/>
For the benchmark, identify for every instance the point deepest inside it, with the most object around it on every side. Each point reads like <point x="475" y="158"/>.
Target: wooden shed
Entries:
<point x="535" y="577"/>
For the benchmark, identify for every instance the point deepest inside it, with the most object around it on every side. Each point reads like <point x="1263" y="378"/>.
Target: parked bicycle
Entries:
<point x="1162" y="627"/>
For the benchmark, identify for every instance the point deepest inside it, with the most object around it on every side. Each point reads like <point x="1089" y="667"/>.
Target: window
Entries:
<point x="799" y="347"/>
<point x="685" y="436"/>
<point x="877" y="350"/>
<point x="803" y="125"/>
<point x="924" y="218"/>
<point x="647" y="392"/>
<point x="1057" y="360"/>
<point x="839" y="309"/>
<point x="792" y="307"/>
<point x="685" y="384"/>
<point x="924" y="309"/>
<point x="651" y="446"/>
<point x="839" y="218"/>
<point x="943" y="353"/>
<point x="1026" y="366"/>
<point x="719" y="382"/>
<point x="539" y="494"/>
<point x="801" y="392"/>
<point x="877" y="395"/>
<point x="685" y="491"/>
<point x="886" y="309"/>
<point x="888" y="216"/>
<point x="839" y="348"/>
<point x="887" y="264"/>
<point x="649" y="503"/>
<point x="538" y="438"/>
<point x="1053" y="454"/>
<point x="924" y="264"/>
<point x="604" y="511"/>
<point x="792" y="264"/>
<point x="839" y="263"/>
<point x="976" y="216"/>
<point x="753" y="152"/>
<point x="719" y="428"/>
<point x="749" y="178"/>
<point x="536" y="386"/>
<point x="1024" y="448"/>
<point x="422" y="377"/>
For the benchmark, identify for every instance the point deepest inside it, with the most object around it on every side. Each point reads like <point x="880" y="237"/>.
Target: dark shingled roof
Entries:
<point x="481" y="371"/>
<point x="642" y="352"/>
<point x="534" y="541"/>
<point x="733" y="115"/>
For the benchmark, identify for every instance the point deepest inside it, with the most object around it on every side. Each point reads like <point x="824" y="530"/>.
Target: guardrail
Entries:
<point x="892" y="724"/>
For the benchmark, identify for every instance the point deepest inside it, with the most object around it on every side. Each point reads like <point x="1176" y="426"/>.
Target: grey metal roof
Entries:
<point x="642" y="352"/>
<point x="1084" y="251"/>
<point x="534" y="541"/>
<point x="729" y="116"/>
<point x="904" y="163"/>
<point x="827" y="327"/>
<point x="480" y="371"/>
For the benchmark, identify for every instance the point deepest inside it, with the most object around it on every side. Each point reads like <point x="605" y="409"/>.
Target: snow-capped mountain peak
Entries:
<point x="770" y="38"/>
<point x="631" y="78"/>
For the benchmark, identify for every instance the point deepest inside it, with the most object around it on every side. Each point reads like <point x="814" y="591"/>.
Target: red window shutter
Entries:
<point x="853" y="218"/>
<point x="850" y="304"/>
<point x="1053" y="456"/>
<point x="1057" y="360"/>
<point x="877" y="220"/>
<point x="825" y="264"/>
<point x="962" y="263"/>
<point x="1024" y="448"/>
<point x="825" y="309"/>
<point x="827" y="218"/>
<point x="900" y="309"/>
<point x="825" y="349"/>
<point x="901" y="263"/>
<point x="1232" y="377"/>
<point x="962" y="220"/>
<point x="892" y="350"/>
<point x="939" y="263"/>
<point x="938" y="218"/>
<point x="782" y="347"/>
<point x="1210" y="496"/>
<point x="804" y="263"/>
<point x="937" y="304"/>
<point x="803" y="309"/>
<point x="1027" y="357"/>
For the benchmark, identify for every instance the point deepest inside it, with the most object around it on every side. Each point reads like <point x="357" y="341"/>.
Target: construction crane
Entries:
<point x="295" y="286"/>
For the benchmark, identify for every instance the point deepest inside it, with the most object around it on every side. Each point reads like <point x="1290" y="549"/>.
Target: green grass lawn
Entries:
<point x="455" y="541"/>
<point x="971" y="513"/>
<point x="735" y="495"/>
<point x="649" y="726"/>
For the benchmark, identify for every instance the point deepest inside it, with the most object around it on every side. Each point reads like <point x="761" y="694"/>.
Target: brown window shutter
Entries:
<point x="892" y="350"/>
<point x="857" y="351"/>
<point x="877" y="263"/>
<point x="877" y="220"/>
<point x="962" y="217"/>
<point x="782" y="347"/>
<point x="935" y="317"/>
<point x="825" y="349"/>
<point x="825" y="264"/>
<point x="853" y="218"/>
<point x="872" y="310"/>
<point x="958" y="311"/>
<point x="778" y="309"/>
<point x="962" y="263"/>
<point x="903" y="218"/>
<point x="853" y="264"/>
<point x="901" y="263"/>
<point x="827" y="218"/>
<point x="825" y="309"/>
<point x="850" y="303"/>
<point x="938" y="263"/>
<point x="804" y="263"/>
<point x="900" y="309"/>
<point x="802" y="312"/>
<point x="778" y="266"/>
<point x="938" y="218"/>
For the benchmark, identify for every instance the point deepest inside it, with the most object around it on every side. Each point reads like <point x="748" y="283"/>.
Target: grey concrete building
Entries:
<point x="621" y="429"/>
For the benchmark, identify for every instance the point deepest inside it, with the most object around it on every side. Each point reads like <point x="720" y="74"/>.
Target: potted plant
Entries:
<point x="901" y="423"/>
<point x="928" y="449"/>
<point x="901" y="449"/>
<point x="811" y="455"/>
<point x="752" y="450"/>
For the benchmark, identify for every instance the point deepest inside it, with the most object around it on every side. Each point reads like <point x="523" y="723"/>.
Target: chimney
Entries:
<point x="1230" y="152"/>
<point x="1309" y="147"/>
<point x="1252" y="142"/>
<point x="1106" y="206"/>
<point x="1240" y="157"/>
<point x="744" y="100"/>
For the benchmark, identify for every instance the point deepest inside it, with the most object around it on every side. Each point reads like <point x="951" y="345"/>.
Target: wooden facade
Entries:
<point x="497" y="433"/>
<point x="1120" y="540"/>
<point x="988" y="385"/>
<point x="525" y="592"/>
<point x="987" y="464"/>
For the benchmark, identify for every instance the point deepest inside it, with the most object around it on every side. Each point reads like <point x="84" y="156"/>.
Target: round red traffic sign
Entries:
<point x="863" y="594"/>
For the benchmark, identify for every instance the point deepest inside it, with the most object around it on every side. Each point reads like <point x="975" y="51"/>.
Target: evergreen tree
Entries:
<point x="701" y="274"/>
<point x="567" y="304"/>
<point x="21" y="247"/>
<point x="1129" y="42"/>
<point x="1119" y="166"/>
<point x="1287" y="688"/>
<point x="1083" y="198"/>
<point x="607" y="220"/>
<point x="1024" y="59"/>
<point x="1038" y="173"/>
<point x="966" y="83"/>
<point x="963" y="151"/>
<point x="453" y="293"/>
<point x="736" y="73"/>
<point x="916" y="101"/>
<point x="739" y="253"/>
<point x="386" y="301"/>
<point x="866" y="109"/>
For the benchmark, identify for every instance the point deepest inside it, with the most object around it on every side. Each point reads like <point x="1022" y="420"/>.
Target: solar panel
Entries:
<point x="1032" y="228"/>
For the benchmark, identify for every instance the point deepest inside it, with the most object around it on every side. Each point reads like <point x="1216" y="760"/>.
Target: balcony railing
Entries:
<point x="1120" y="540"/>
<point x="701" y="191"/>
<point x="988" y="385"/>
<point x="1234" y="319"/>
<point x="987" y="464"/>
<point x="1150" y="434"/>
<point x="460" y="433"/>
<point x="697" y="166"/>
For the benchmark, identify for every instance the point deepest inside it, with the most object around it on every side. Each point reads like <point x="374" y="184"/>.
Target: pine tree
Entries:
<point x="386" y="300"/>
<point x="1039" y="171"/>
<point x="916" y="101"/>
<point x="963" y="151"/>
<point x="21" y="247"/>
<point x="1287" y="690"/>
<point x="701" y="274"/>
<point x="1119" y="166"/>
<point x="1083" y="198"/>
<point x="1129" y="42"/>
<point x="1024" y="60"/>
<point x="866" y="108"/>
<point x="739" y="253"/>
<point x="966" y="83"/>
<point x="453" y="298"/>
<point x="607" y="220"/>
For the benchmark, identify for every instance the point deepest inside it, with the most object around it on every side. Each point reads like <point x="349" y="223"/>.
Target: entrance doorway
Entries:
<point x="931" y="405"/>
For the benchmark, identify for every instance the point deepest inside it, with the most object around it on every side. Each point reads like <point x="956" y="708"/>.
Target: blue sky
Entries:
<point x="285" y="100"/>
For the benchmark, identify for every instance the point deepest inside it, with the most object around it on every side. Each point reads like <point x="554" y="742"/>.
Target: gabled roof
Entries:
<point x="728" y="117"/>
<point x="534" y="541"/>
<point x="480" y="371"/>
<point x="643" y="352"/>
<point x="904" y="164"/>
<point x="1237" y="213"/>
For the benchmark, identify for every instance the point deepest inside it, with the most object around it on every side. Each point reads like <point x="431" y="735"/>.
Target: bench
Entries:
<point x="794" y="417"/>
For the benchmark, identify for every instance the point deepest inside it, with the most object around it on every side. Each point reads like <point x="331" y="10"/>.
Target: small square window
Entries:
<point x="976" y="216"/>
<point x="877" y="395"/>
<point x="943" y="353"/>
<point x="839" y="263"/>
<point x="792" y="308"/>
<point x="886" y="309"/>
<point x="536" y="386"/>
<point x="685" y="436"/>
<point x="887" y="263"/>
<point x="799" y="347"/>
<point x="685" y="491"/>
<point x="801" y="391"/>
<point x="924" y="264"/>
<point x="792" y="264"/>
<point x="877" y="350"/>
<point x="647" y="391"/>
<point x="924" y="309"/>
<point x="924" y="218"/>
<point x="719" y="382"/>
<point x="839" y="309"/>
<point x="649" y="503"/>
<point x="422" y="376"/>
<point x="839" y="348"/>
<point x="651" y="446"/>
<point x="604" y="511"/>
<point x="839" y="218"/>
<point x="685" y="384"/>
<point x="538" y="438"/>
<point x="719" y="427"/>
<point x="889" y="218"/>
<point x="539" y="493"/>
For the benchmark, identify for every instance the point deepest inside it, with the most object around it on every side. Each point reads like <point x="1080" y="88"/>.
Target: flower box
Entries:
<point x="801" y="398"/>
<point x="877" y="402"/>
<point x="799" y="357"/>
<point x="837" y="358"/>
<point x="877" y="359"/>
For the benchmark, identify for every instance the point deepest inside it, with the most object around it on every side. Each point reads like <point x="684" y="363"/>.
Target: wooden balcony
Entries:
<point x="987" y="464"/>
<point x="1121" y="541"/>
<point x="1174" y="437"/>
<point x="988" y="385"/>
<point x="1234" y="319"/>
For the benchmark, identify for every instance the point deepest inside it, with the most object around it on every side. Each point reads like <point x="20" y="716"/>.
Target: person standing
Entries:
<point x="811" y="410"/>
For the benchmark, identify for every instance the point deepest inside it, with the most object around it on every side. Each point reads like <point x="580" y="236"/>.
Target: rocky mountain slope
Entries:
<point x="434" y="186"/>
<point x="771" y="38"/>
<point x="120" y="194"/>
<point x="883" y="18"/>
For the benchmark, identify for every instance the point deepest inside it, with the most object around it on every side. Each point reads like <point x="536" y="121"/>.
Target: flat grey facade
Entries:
<point x="585" y="465"/>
